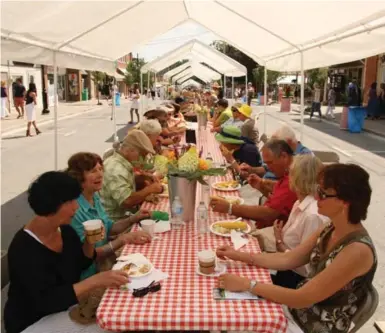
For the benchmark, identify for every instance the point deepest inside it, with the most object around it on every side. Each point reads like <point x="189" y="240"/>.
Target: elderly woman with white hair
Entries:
<point x="302" y="222"/>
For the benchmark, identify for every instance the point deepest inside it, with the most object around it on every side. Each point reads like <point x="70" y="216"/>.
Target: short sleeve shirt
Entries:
<point x="19" y="91"/>
<point x="87" y="212"/>
<point x="225" y="115"/>
<point x="232" y="122"/>
<point x="282" y="198"/>
<point x="248" y="153"/>
<point x="118" y="185"/>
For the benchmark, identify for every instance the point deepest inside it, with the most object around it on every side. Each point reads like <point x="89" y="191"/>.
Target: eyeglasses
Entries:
<point x="152" y="288"/>
<point x="323" y="195"/>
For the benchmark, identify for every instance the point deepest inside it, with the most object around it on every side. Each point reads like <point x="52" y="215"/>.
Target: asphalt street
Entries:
<point x="23" y="159"/>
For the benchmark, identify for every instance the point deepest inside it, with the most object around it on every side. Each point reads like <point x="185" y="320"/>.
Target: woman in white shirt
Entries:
<point x="135" y="103"/>
<point x="303" y="221"/>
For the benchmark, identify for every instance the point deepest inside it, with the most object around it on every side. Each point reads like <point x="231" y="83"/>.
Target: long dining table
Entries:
<point x="185" y="301"/>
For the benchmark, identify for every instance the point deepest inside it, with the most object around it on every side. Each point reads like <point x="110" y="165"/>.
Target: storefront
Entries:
<point x="381" y="69"/>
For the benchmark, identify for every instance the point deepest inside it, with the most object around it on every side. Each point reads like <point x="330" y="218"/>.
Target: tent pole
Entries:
<point x="232" y="88"/>
<point x="224" y="86"/>
<point x="141" y="93"/>
<point x="265" y="100"/>
<point x="148" y="88"/>
<point x="246" y="88"/>
<point x="56" y="143"/>
<point x="155" y="89"/>
<point x="116" y="139"/>
<point x="9" y="87"/>
<point x="302" y="95"/>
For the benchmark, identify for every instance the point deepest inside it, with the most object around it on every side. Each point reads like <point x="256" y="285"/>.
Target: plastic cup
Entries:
<point x="148" y="226"/>
<point x="94" y="230"/>
<point x="207" y="261"/>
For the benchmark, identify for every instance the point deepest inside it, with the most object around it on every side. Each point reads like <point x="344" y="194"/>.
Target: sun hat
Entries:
<point x="138" y="140"/>
<point x="244" y="109"/>
<point x="230" y="134"/>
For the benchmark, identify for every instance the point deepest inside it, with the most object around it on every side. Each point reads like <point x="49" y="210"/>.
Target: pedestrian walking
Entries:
<point x="331" y="103"/>
<point x="135" y="103"/>
<point x="250" y="93"/>
<point x="316" y="105"/>
<point x="30" y="109"/>
<point x="19" y="95"/>
<point x="4" y="98"/>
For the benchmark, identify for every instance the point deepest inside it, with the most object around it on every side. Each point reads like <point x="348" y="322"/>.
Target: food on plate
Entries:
<point x="152" y="198"/>
<point x="231" y="200"/>
<point x="144" y="269"/>
<point x="133" y="270"/>
<point x="226" y="226"/>
<point x="228" y="184"/>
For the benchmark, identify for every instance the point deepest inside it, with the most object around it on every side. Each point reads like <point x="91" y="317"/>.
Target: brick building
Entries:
<point x="122" y="65"/>
<point x="374" y="71"/>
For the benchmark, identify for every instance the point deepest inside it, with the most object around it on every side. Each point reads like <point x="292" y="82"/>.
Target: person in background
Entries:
<point x="87" y="169"/>
<point x="30" y="109"/>
<point x="303" y="220"/>
<point x="118" y="193"/>
<point x="331" y="103"/>
<point x="373" y="107"/>
<point x="250" y="93"/>
<point x="354" y="94"/>
<point x="278" y="156"/>
<point x="248" y="128"/>
<point x="18" y="98"/>
<point x="135" y="103"/>
<point x="4" y="98"/>
<point x="341" y="256"/>
<point x="223" y="113"/>
<point x="316" y="105"/>
<point x="234" y="120"/>
<point x="54" y="257"/>
<point x="283" y="133"/>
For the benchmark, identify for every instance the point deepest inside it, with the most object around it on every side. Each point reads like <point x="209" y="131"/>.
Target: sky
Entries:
<point x="173" y="39"/>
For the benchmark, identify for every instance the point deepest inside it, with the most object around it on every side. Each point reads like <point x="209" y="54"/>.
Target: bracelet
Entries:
<point x="230" y="211"/>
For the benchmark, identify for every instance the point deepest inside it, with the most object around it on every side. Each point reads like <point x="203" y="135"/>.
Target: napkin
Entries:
<point x="133" y="258"/>
<point x="237" y="239"/>
<point x="162" y="226"/>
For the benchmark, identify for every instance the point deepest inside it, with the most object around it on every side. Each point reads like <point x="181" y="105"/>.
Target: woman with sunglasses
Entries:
<point x="337" y="286"/>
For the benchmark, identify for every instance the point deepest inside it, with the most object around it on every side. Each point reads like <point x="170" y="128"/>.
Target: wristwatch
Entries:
<point x="253" y="283"/>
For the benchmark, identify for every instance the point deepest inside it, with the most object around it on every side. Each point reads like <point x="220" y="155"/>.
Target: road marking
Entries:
<point x="70" y="133"/>
<point x="43" y="123"/>
<point x="341" y="151"/>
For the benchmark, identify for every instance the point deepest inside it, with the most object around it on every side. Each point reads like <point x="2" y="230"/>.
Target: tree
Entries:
<point x="259" y="77"/>
<point x="237" y="55"/>
<point x="317" y="75"/>
<point x="98" y="78"/>
<point x="133" y="73"/>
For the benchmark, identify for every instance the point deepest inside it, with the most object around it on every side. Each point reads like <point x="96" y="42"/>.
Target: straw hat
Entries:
<point x="137" y="139"/>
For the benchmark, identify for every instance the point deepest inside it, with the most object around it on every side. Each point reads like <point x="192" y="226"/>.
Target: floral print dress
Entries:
<point x="334" y="314"/>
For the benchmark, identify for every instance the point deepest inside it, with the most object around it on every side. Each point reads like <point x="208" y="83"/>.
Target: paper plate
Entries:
<point x="120" y="265"/>
<point x="225" y="189"/>
<point x="226" y="235"/>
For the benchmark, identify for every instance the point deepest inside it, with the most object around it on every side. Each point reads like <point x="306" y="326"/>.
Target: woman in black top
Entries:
<point x="46" y="257"/>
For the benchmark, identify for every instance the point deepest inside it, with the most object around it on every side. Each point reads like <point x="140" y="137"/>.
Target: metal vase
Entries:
<point x="202" y="120"/>
<point x="186" y="191"/>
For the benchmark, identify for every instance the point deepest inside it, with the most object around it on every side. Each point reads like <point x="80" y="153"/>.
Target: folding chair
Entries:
<point x="367" y="309"/>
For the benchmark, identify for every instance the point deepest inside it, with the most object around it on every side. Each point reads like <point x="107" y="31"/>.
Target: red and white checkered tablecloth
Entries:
<point x="185" y="301"/>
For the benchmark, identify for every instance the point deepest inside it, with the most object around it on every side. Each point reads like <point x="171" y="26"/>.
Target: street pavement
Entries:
<point x="23" y="159"/>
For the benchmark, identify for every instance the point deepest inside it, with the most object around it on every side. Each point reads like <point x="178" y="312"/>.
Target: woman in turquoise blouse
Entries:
<point x="87" y="168"/>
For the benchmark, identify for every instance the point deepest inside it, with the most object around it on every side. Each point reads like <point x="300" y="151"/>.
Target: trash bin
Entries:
<point x="85" y="94"/>
<point x="356" y="118"/>
<point x="117" y="98"/>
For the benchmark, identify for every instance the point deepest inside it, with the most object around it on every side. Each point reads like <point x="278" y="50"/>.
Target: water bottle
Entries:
<point x="202" y="215"/>
<point x="177" y="212"/>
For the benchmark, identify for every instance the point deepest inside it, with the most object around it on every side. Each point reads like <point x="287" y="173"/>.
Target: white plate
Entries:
<point x="241" y="201"/>
<point x="228" y="189"/>
<point x="226" y="235"/>
<point x="220" y="269"/>
<point x="121" y="264"/>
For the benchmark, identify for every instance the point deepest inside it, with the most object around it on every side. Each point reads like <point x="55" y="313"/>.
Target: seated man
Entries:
<point x="278" y="156"/>
<point x="236" y="149"/>
<point x="284" y="133"/>
<point x="222" y="113"/>
<point x="119" y="193"/>
<point x="234" y="120"/>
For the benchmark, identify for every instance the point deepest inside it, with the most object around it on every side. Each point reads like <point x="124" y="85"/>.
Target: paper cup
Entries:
<point x="94" y="231"/>
<point x="207" y="261"/>
<point x="148" y="226"/>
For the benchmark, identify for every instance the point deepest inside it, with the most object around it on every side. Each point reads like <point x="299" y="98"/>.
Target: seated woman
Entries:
<point x="176" y="118"/>
<point x="46" y="258"/>
<point x="87" y="169"/>
<point x="337" y="286"/>
<point x="303" y="221"/>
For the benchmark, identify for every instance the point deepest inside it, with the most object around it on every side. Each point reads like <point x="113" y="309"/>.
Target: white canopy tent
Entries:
<point x="190" y="82"/>
<point x="187" y="74"/>
<point x="200" y="71"/>
<point x="177" y="70"/>
<point x="82" y="34"/>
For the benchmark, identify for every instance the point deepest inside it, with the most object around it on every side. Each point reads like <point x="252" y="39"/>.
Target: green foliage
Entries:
<point x="317" y="75"/>
<point x="196" y="175"/>
<point x="98" y="77"/>
<point x="259" y="77"/>
<point x="133" y="73"/>
<point x="144" y="163"/>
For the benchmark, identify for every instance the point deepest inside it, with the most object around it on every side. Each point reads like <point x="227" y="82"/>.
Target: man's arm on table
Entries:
<point x="265" y="216"/>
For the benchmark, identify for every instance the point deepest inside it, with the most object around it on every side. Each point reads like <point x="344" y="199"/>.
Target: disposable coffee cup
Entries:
<point x="148" y="226"/>
<point x="207" y="261"/>
<point x="94" y="231"/>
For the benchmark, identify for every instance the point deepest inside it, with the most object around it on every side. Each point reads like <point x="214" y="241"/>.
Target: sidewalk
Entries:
<point x="65" y="110"/>
<point x="376" y="127"/>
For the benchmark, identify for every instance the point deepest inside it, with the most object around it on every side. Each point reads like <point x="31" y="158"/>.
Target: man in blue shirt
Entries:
<point x="284" y="133"/>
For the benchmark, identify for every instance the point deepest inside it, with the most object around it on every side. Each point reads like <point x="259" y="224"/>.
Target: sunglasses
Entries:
<point x="323" y="195"/>
<point x="152" y="288"/>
